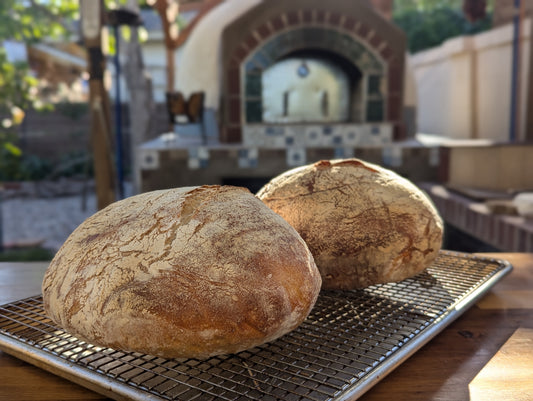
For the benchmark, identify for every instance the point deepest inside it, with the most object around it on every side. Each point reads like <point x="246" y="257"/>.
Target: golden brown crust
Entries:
<point x="364" y="224"/>
<point x="189" y="272"/>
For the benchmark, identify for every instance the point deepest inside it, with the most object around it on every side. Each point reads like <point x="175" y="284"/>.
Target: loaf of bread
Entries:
<point x="188" y="272"/>
<point x="364" y="224"/>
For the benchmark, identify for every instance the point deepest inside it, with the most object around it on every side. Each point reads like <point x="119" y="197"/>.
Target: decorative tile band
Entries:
<point x="344" y="153"/>
<point x="317" y="135"/>
<point x="198" y="158"/>
<point x="248" y="158"/>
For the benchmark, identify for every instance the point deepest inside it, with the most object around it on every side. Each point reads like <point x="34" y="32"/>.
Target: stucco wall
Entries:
<point x="154" y="57"/>
<point x="199" y="62"/>
<point x="464" y="86"/>
<point x="502" y="167"/>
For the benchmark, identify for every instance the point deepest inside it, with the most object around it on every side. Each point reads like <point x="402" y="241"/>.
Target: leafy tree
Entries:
<point x="31" y="20"/>
<point x="428" y="23"/>
<point x="25" y="21"/>
<point x="425" y="5"/>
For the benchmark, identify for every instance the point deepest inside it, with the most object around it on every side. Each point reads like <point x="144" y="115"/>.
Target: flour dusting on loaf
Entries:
<point x="187" y="272"/>
<point x="363" y="223"/>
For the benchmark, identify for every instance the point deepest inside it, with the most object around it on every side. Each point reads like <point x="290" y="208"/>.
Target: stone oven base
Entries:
<point x="168" y="167"/>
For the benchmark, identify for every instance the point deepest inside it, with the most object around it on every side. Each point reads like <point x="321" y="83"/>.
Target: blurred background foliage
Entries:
<point x="428" y="23"/>
<point x="28" y="22"/>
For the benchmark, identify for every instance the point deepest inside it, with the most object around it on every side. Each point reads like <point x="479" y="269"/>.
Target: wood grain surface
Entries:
<point x="458" y="364"/>
<point x="444" y="368"/>
<point x="507" y="376"/>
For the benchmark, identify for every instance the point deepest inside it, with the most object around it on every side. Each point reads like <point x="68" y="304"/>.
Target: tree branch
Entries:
<point x="50" y="15"/>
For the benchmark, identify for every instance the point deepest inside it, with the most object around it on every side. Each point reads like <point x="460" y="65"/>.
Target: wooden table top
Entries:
<point x="485" y="354"/>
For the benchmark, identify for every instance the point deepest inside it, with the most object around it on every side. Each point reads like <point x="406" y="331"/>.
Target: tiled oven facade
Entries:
<point x="351" y="31"/>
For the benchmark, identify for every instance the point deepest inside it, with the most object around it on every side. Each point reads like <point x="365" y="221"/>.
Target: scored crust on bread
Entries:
<point x="187" y="272"/>
<point x="364" y="224"/>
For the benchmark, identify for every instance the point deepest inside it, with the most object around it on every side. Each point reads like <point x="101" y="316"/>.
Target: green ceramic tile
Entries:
<point x="253" y="85"/>
<point x="254" y="111"/>
<point x="374" y="85"/>
<point x="374" y="110"/>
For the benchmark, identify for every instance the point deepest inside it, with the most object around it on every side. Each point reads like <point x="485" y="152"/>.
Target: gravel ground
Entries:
<point x="48" y="221"/>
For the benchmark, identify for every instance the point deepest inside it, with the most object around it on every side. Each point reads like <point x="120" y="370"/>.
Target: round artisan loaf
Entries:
<point x="188" y="272"/>
<point x="364" y="224"/>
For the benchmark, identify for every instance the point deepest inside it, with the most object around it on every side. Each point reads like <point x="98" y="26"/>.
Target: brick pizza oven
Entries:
<point x="286" y="83"/>
<point x="365" y="48"/>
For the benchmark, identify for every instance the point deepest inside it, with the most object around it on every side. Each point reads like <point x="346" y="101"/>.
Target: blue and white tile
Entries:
<point x="149" y="159"/>
<point x="252" y="135"/>
<point x="273" y="136"/>
<point x="343" y="153"/>
<point x="392" y="156"/>
<point x="313" y="136"/>
<point x="248" y="158"/>
<point x="198" y="157"/>
<point x="296" y="157"/>
<point x="203" y="153"/>
<point x="295" y="136"/>
<point x="351" y="135"/>
<point x="386" y="133"/>
<point x="337" y="139"/>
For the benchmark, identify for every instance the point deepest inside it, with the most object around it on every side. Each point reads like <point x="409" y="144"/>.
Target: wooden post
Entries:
<point x="474" y="98"/>
<point x="168" y="11"/>
<point x="529" y="100"/>
<point x="92" y="16"/>
<point x="515" y="112"/>
<point x="142" y="104"/>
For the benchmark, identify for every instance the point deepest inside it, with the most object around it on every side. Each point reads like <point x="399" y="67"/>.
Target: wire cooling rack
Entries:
<point x="349" y="342"/>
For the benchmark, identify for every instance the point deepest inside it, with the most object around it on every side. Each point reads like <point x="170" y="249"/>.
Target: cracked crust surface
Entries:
<point x="364" y="224"/>
<point x="188" y="272"/>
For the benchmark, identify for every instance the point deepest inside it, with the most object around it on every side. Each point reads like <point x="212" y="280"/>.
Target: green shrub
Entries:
<point x="22" y="167"/>
<point x="431" y="27"/>
<point x="26" y="255"/>
<point x="72" y="110"/>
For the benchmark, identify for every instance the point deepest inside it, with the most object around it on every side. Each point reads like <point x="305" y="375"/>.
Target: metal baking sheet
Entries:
<point x="350" y="341"/>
